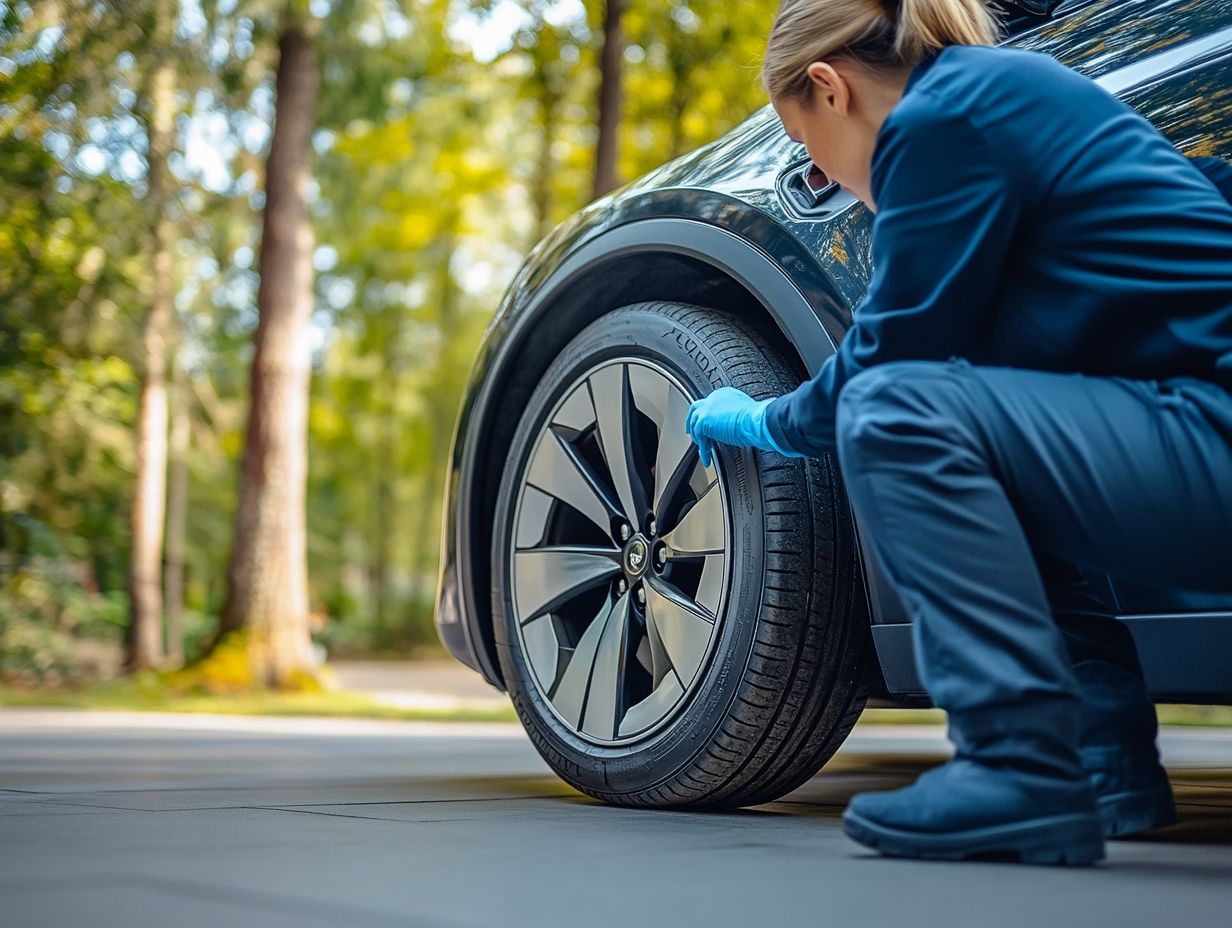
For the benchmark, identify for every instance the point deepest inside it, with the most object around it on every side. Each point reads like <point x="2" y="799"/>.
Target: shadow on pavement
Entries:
<point x="1203" y="798"/>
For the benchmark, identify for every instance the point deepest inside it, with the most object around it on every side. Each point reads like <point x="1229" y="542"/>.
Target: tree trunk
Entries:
<point x="267" y="577"/>
<point x="678" y="65"/>
<point x="385" y="466"/>
<point x="545" y="169"/>
<point x="442" y="410"/>
<point x="610" y="94"/>
<point x="419" y="507"/>
<point x="143" y="642"/>
<point x="177" y="514"/>
<point x="547" y="90"/>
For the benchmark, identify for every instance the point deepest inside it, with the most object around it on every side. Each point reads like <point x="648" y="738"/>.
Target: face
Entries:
<point x="833" y="129"/>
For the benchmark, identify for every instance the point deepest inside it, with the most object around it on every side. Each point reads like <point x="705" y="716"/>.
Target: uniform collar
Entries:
<point x="920" y="69"/>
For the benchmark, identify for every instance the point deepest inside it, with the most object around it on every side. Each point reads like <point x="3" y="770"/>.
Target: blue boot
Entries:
<point x="1132" y="792"/>
<point x="1119" y="752"/>
<point x="966" y="809"/>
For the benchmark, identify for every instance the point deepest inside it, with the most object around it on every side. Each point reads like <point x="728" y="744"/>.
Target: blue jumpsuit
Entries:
<point x="1037" y="381"/>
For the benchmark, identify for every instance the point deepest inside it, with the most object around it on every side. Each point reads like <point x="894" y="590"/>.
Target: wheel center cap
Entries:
<point x="637" y="555"/>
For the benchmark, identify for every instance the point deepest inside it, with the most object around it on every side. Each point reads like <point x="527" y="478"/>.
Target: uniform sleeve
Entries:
<point x="947" y="206"/>
<point x="1218" y="172"/>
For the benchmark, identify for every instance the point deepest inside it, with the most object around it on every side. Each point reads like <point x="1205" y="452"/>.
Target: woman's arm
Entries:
<point x="1218" y="172"/>
<point x="948" y="206"/>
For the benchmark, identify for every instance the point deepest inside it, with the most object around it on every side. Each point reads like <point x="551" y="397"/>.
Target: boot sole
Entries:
<point x="1130" y="812"/>
<point x="1075" y="839"/>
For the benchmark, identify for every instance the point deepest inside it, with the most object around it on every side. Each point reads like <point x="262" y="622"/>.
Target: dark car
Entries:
<point x="678" y="635"/>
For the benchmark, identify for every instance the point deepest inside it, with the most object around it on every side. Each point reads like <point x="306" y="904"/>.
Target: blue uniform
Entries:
<point x="1028" y="218"/>
<point x="1036" y="383"/>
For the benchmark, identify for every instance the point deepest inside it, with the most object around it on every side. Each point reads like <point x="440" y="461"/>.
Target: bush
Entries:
<point x="53" y="632"/>
<point x="409" y="631"/>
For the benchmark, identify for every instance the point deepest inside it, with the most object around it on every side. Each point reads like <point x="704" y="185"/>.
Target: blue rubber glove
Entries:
<point x="732" y="417"/>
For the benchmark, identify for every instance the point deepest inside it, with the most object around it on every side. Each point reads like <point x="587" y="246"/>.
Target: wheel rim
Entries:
<point x="619" y="554"/>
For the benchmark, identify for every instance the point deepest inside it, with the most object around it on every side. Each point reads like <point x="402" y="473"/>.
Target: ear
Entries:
<point x="830" y="88"/>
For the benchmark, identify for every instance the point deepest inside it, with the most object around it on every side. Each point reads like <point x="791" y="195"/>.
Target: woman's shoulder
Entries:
<point x="996" y="89"/>
<point x="972" y="72"/>
<point x="989" y="108"/>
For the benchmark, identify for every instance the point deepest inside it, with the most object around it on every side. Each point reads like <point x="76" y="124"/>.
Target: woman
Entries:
<point x="1037" y="381"/>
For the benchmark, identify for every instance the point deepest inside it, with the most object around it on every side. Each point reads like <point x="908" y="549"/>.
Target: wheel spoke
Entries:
<point x="649" y="390"/>
<point x="570" y="696"/>
<point x="576" y="412"/>
<point x="667" y="407"/>
<point x="652" y="708"/>
<point x="559" y="471"/>
<point x="533" y="514"/>
<point x="677" y="453"/>
<point x="710" y="586"/>
<point x="683" y="627"/>
<point x="542" y="647"/>
<point x="701" y="531"/>
<point x="609" y="391"/>
<point x="605" y="695"/>
<point x="548" y="577"/>
<point x="660" y="661"/>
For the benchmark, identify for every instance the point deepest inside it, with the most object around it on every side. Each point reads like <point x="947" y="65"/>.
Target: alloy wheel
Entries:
<point x="619" y="554"/>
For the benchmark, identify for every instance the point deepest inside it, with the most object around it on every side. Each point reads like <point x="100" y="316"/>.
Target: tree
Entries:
<point x="267" y="576"/>
<point x="548" y="83"/>
<point x="177" y="515"/>
<point x="71" y="273"/>
<point x="696" y="76"/>
<point x="145" y="632"/>
<point x="610" y="97"/>
<point x="433" y="173"/>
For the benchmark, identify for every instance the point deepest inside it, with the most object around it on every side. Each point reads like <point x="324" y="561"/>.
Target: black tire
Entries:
<point x="789" y="670"/>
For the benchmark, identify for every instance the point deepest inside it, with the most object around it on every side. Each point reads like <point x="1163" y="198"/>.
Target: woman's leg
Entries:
<point x="955" y="474"/>
<point x="1118" y="727"/>
<point x="1087" y="621"/>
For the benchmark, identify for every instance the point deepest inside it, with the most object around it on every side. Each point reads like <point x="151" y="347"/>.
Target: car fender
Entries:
<point x="722" y="232"/>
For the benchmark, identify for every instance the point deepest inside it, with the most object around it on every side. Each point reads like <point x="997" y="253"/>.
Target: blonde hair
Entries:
<point x="881" y="34"/>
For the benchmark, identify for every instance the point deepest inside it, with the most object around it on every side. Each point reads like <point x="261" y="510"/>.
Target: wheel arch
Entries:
<point x="653" y="259"/>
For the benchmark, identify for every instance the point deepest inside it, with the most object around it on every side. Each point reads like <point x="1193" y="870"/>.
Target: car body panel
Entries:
<point x="718" y="208"/>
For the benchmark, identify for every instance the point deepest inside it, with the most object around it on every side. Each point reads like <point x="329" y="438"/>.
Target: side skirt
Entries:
<point x="1186" y="657"/>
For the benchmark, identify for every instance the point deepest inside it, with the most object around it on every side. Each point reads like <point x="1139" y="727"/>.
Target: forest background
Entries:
<point x="247" y="251"/>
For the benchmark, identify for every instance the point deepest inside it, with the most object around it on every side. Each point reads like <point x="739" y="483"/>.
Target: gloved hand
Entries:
<point x="732" y="417"/>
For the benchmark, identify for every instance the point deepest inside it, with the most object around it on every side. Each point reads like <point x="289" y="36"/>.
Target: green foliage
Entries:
<point x="69" y="276"/>
<point x="52" y="631"/>
<point x="436" y="168"/>
<point x="694" y="73"/>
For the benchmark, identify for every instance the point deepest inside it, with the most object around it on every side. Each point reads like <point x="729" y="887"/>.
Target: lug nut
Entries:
<point x="652" y="527"/>
<point x="625" y="531"/>
<point x="641" y="595"/>
<point x="660" y="556"/>
<point x="621" y="586"/>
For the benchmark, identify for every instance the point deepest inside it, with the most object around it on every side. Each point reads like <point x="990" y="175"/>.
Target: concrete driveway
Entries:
<point x="159" y="820"/>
